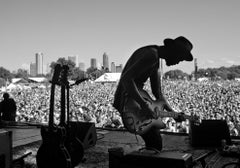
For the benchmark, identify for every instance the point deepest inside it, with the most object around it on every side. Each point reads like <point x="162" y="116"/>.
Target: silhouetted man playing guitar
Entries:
<point x="137" y="109"/>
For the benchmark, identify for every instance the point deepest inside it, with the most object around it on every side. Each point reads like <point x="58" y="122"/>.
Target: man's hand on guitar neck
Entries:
<point x="180" y="117"/>
<point x="166" y="105"/>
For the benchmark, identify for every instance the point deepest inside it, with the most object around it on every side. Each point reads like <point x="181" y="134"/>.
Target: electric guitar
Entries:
<point x="137" y="121"/>
<point x="72" y="143"/>
<point x="52" y="152"/>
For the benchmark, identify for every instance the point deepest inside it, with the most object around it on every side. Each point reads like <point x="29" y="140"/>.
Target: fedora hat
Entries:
<point x="181" y="43"/>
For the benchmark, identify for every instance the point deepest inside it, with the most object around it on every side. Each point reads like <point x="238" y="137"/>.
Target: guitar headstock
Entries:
<point x="195" y="119"/>
<point x="56" y="74"/>
<point x="64" y="75"/>
<point x="180" y="117"/>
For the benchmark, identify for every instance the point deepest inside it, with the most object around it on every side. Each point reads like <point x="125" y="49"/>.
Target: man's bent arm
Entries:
<point x="157" y="89"/>
<point x="128" y="77"/>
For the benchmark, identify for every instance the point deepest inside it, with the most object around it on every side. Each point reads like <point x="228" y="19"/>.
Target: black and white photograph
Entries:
<point x="119" y="84"/>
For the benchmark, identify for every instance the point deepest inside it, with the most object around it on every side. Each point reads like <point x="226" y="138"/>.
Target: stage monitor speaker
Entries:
<point x="209" y="133"/>
<point x="146" y="159"/>
<point x="86" y="132"/>
<point x="5" y="148"/>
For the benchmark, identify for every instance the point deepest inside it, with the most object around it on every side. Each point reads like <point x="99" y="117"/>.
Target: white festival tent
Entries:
<point x="20" y="83"/>
<point x="109" y="77"/>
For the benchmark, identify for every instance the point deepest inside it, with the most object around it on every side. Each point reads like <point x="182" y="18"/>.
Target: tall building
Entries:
<point x="195" y="65"/>
<point x="48" y="68"/>
<point x="113" y="67"/>
<point x="195" y="69"/>
<point x="93" y="63"/>
<point x="33" y="69"/>
<point x="82" y="66"/>
<point x="74" y="59"/>
<point x="105" y="61"/>
<point x="119" y="68"/>
<point x="39" y="63"/>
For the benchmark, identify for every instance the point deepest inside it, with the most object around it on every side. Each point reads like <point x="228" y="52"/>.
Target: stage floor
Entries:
<point x="23" y="136"/>
<point x="29" y="139"/>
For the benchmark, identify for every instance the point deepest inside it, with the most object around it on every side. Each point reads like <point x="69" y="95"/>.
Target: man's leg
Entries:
<point x="153" y="139"/>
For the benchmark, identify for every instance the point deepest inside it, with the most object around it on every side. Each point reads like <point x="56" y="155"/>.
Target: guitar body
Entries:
<point x="75" y="148"/>
<point x="135" y="120"/>
<point x="72" y="143"/>
<point x="52" y="152"/>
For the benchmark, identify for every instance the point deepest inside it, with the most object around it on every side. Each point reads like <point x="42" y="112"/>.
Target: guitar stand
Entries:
<point x="68" y="122"/>
<point x="80" y="143"/>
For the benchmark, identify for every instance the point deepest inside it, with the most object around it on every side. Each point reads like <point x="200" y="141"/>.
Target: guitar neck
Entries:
<point x="64" y="83"/>
<point x="63" y="111"/>
<point x="57" y="70"/>
<point x="173" y="114"/>
<point x="51" y="115"/>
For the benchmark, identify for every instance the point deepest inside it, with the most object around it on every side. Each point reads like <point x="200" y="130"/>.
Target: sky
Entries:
<point x="88" y="28"/>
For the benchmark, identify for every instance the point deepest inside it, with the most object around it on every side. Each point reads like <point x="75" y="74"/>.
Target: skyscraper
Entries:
<point x="48" y="68"/>
<point x="195" y="69"/>
<point x="33" y="69"/>
<point x="82" y="66"/>
<point x="105" y="61"/>
<point x="39" y="63"/>
<point x="93" y="63"/>
<point x="113" y="67"/>
<point x="119" y="68"/>
<point x="195" y="65"/>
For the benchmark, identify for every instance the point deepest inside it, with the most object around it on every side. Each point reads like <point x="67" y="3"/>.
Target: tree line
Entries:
<point x="224" y="73"/>
<point x="75" y="73"/>
<point x="221" y="73"/>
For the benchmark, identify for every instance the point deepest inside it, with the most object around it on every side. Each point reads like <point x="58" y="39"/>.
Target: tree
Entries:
<point x="5" y="74"/>
<point x="231" y="76"/>
<point x="175" y="74"/>
<point x="2" y="82"/>
<point x="105" y="69"/>
<point x="94" y="73"/>
<point x="21" y="73"/>
<point x="220" y="73"/>
<point x="63" y="61"/>
<point x="201" y="73"/>
<point x="77" y="74"/>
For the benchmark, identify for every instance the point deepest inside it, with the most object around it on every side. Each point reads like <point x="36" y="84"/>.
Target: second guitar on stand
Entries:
<point x="72" y="143"/>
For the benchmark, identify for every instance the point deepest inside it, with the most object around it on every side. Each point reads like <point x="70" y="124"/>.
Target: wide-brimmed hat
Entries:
<point x="183" y="44"/>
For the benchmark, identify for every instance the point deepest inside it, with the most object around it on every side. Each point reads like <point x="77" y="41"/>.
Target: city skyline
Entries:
<point x="90" y="28"/>
<point x="33" y="67"/>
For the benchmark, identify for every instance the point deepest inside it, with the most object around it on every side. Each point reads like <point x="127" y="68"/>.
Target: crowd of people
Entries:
<point x="92" y="102"/>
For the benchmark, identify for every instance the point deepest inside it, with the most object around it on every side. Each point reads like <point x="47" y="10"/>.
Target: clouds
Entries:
<point x="90" y="28"/>
<point x="218" y="62"/>
<point x="230" y="61"/>
<point x="210" y="61"/>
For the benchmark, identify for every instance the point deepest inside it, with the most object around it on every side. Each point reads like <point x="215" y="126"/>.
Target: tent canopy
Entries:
<point x="19" y="80"/>
<point x="29" y="80"/>
<point x="37" y="79"/>
<point x="109" y="77"/>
